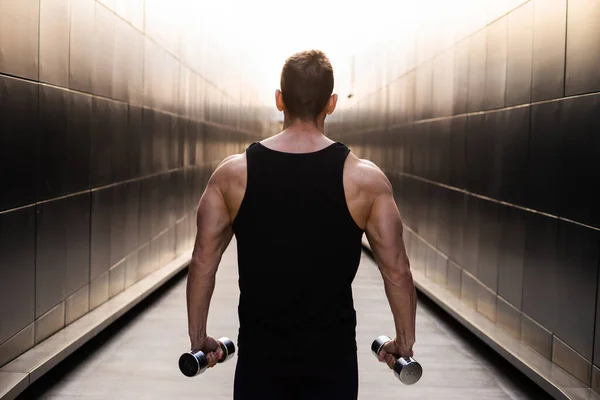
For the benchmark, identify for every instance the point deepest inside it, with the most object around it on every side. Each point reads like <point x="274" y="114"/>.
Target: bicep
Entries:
<point x="384" y="231"/>
<point x="213" y="223"/>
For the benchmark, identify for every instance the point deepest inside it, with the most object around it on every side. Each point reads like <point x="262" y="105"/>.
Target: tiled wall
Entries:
<point x="492" y="145"/>
<point x="108" y="133"/>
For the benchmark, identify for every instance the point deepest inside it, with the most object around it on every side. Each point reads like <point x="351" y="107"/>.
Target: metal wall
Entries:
<point x="108" y="133"/>
<point x="491" y="140"/>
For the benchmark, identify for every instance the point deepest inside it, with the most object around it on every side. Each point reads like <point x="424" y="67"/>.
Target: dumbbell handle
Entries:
<point x="194" y="363"/>
<point x="406" y="369"/>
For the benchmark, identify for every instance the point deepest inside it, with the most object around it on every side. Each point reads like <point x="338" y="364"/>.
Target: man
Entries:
<point x="298" y="204"/>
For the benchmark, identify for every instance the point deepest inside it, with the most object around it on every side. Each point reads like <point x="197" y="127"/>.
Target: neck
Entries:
<point x="309" y="127"/>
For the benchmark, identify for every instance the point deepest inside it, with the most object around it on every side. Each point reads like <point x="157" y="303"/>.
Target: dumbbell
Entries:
<point x="192" y="364"/>
<point x="406" y="369"/>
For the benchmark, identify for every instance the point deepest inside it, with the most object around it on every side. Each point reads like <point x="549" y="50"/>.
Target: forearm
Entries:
<point x="402" y="297"/>
<point x="200" y="287"/>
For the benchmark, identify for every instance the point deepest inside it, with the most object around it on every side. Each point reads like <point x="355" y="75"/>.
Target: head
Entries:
<point x="306" y="88"/>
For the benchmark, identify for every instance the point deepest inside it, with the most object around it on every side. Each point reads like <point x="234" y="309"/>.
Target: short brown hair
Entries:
<point x="306" y="84"/>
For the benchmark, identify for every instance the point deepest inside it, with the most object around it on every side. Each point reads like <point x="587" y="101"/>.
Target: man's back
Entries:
<point x="298" y="252"/>
<point x="363" y="182"/>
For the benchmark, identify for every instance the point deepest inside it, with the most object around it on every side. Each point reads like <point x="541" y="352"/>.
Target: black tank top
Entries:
<point x="298" y="253"/>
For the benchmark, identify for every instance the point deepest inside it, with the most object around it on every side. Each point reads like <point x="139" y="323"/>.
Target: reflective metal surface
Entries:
<point x="468" y="289"/>
<point x="508" y="317"/>
<point x="495" y="64"/>
<point x="50" y="322"/>
<point x="77" y="304"/>
<point x="17" y="275"/>
<point x="549" y="35"/>
<point x="99" y="290"/>
<point x="19" y="125"/>
<point x="520" y="55"/>
<point x="17" y="344"/>
<point x="583" y="47"/>
<point x="486" y="302"/>
<point x="572" y="362"/>
<point x="536" y="337"/>
<point x="54" y="41"/>
<point x="81" y="49"/>
<point x="501" y="185"/>
<point x="596" y="379"/>
<point x="19" y="33"/>
<point x="116" y="282"/>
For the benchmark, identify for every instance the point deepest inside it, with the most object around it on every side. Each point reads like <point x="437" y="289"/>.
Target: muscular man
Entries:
<point x="298" y="204"/>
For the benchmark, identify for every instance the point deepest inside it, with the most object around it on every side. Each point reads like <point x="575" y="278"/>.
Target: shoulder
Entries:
<point x="231" y="168"/>
<point x="366" y="175"/>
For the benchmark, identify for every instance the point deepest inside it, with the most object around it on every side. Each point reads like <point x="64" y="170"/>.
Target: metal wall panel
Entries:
<point x="17" y="275"/>
<point x="132" y="213"/>
<point x="490" y="235"/>
<point x="511" y="255"/>
<point x="104" y="52"/>
<point x="540" y="270"/>
<point x="79" y="128"/>
<point x="103" y="124"/>
<point x="423" y="91"/>
<point x="51" y="256"/>
<point x="544" y="164"/>
<point x="458" y="136"/>
<point x="495" y="64"/>
<point x="77" y="228"/>
<point x="81" y="49"/>
<point x="471" y="231"/>
<point x="19" y="34"/>
<point x="583" y="47"/>
<point x="52" y="159"/>
<point x="513" y="145"/>
<point x="477" y="150"/>
<point x="477" y="54"/>
<point x="520" y="55"/>
<point x="578" y="248"/>
<point x="461" y="78"/>
<point x="118" y="215"/>
<point x="54" y="41"/>
<point x="100" y="231"/>
<point x="119" y="142"/>
<point x="579" y="125"/>
<point x="18" y="142"/>
<point x="549" y="31"/>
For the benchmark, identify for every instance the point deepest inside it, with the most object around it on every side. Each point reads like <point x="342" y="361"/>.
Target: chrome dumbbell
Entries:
<point x="406" y="369"/>
<point x="192" y="364"/>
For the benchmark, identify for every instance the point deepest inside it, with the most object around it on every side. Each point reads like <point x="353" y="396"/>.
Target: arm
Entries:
<point x="213" y="237"/>
<point x="384" y="232"/>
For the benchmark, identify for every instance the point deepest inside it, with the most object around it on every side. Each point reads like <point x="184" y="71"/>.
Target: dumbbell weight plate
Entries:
<point x="408" y="370"/>
<point x="192" y="364"/>
<point x="228" y="348"/>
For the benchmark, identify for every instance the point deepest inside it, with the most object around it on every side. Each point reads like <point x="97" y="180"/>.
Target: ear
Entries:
<point x="331" y="104"/>
<point x="279" y="100"/>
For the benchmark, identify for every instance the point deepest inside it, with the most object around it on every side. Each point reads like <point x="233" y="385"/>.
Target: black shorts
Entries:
<point x="338" y="381"/>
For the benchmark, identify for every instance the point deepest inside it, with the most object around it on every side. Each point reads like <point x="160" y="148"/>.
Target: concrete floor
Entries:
<point x="138" y="358"/>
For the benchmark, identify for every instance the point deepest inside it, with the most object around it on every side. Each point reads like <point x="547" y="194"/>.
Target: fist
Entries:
<point x="211" y="348"/>
<point x="391" y="351"/>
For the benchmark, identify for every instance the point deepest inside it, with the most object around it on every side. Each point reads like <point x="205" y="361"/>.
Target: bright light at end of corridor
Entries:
<point x="261" y="34"/>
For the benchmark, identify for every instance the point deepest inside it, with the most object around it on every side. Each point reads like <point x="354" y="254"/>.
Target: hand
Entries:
<point x="211" y="348"/>
<point x="391" y="351"/>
